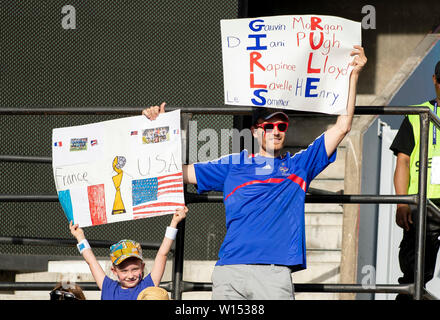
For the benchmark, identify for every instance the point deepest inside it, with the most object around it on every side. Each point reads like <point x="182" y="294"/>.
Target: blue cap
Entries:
<point x="267" y="113"/>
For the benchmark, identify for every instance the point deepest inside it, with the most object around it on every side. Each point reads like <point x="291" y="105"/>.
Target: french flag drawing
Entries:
<point x="157" y="196"/>
<point x="58" y="144"/>
<point x="86" y="199"/>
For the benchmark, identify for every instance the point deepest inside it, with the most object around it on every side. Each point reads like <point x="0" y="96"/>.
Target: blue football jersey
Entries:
<point x="264" y="203"/>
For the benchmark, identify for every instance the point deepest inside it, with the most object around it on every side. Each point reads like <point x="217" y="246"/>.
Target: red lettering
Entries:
<point x="254" y="57"/>
<point x="298" y="20"/>
<point x="309" y="68"/>
<point x="312" y="44"/>
<point x="303" y="35"/>
<point x="253" y="85"/>
<point x="314" y="23"/>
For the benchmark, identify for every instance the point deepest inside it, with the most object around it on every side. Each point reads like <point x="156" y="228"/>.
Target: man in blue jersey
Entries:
<point x="264" y="201"/>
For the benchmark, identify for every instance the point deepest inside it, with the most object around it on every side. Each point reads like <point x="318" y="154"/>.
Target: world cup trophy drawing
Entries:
<point x="118" y="164"/>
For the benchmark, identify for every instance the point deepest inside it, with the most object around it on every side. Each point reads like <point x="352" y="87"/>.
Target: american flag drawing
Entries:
<point x="157" y="196"/>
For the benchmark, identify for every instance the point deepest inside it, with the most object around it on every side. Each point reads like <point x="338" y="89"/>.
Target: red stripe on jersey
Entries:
<point x="292" y="177"/>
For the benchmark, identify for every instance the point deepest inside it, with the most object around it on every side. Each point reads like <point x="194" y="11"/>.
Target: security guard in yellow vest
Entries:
<point x="406" y="147"/>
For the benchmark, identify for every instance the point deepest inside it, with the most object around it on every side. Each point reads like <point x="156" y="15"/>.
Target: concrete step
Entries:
<point x="323" y="266"/>
<point x="335" y="170"/>
<point x="56" y="277"/>
<point x="323" y="230"/>
<point x="327" y="185"/>
<point x="323" y="208"/>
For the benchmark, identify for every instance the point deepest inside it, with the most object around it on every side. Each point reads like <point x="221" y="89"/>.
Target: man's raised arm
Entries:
<point x="342" y="127"/>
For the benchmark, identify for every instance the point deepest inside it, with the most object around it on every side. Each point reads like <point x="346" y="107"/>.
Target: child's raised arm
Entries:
<point x="161" y="256"/>
<point x="88" y="255"/>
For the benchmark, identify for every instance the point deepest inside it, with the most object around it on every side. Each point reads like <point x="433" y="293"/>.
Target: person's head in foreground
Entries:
<point x="153" y="293"/>
<point x="127" y="263"/>
<point x="269" y="127"/>
<point x="67" y="291"/>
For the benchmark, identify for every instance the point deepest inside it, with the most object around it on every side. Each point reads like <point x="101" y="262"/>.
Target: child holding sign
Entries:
<point x="127" y="263"/>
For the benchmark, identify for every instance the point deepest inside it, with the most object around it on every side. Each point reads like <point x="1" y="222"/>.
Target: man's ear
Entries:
<point x="254" y="131"/>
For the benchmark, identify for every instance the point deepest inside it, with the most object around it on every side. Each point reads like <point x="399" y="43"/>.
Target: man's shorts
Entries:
<point x="252" y="282"/>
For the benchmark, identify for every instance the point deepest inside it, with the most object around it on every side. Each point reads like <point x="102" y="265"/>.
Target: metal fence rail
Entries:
<point x="56" y="242"/>
<point x="177" y="286"/>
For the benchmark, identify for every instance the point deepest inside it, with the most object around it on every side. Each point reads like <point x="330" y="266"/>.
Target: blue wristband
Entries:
<point x="83" y="245"/>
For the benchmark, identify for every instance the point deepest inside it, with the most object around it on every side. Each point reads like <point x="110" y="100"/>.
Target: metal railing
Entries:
<point x="177" y="286"/>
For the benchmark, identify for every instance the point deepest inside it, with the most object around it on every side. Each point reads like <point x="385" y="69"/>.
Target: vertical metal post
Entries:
<point x="419" y="269"/>
<point x="177" y="274"/>
<point x="176" y="293"/>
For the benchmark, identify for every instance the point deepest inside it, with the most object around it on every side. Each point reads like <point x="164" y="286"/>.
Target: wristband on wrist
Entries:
<point x="83" y="245"/>
<point x="171" y="233"/>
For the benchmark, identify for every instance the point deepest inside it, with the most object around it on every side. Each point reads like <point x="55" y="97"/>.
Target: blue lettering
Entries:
<point x="258" y="46"/>
<point x="257" y="94"/>
<point x="258" y="27"/>
<point x="299" y="85"/>
<point x="309" y="87"/>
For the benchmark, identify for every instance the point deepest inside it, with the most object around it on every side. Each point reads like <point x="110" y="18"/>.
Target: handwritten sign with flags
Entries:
<point x="119" y="170"/>
<point x="289" y="62"/>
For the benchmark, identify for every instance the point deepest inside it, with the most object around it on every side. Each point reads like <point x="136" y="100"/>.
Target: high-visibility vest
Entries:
<point x="433" y="191"/>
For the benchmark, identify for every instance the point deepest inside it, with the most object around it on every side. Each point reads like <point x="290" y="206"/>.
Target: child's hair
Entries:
<point x="67" y="291"/>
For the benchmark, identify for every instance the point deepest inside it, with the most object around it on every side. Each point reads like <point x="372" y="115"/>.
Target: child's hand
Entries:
<point x="76" y="231"/>
<point x="178" y="216"/>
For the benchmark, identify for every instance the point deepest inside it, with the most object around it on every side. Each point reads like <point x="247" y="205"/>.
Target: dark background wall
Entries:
<point x="121" y="54"/>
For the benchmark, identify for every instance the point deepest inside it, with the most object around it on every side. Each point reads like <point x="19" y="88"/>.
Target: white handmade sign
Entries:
<point x="289" y="62"/>
<point x="119" y="170"/>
